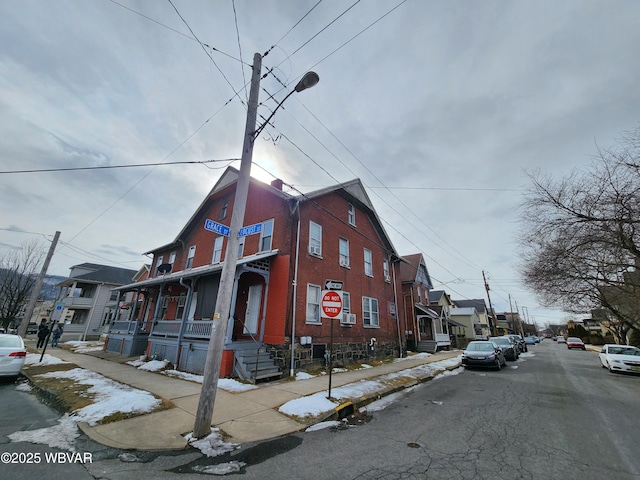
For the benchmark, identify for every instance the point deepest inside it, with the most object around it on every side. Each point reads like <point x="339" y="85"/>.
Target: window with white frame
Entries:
<point x="266" y="236"/>
<point x="172" y="259"/>
<point x="190" y="255"/>
<point x="158" y="263"/>
<point x="346" y="302"/>
<point x="368" y="263"/>
<point x="315" y="238"/>
<point x="313" y="303"/>
<point x="352" y="214"/>
<point x="370" y="315"/>
<point x="419" y="289"/>
<point x="344" y="252"/>
<point x="182" y="300"/>
<point x="241" y="247"/>
<point x="217" y="250"/>
<point x="385" y="269"/>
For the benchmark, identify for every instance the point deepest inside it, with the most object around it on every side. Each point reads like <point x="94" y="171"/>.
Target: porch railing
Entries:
<point x="166" y="328"/>
<point x="198" y="329"/>
<point x="443" y="339"/>
<point x="124" y="327"/>
<point x="192" y="329"/>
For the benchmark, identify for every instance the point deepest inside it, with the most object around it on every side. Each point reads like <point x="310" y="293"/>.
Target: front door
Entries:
<point x="253" y="310"/>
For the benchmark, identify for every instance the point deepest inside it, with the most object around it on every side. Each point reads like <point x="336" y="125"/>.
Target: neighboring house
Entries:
<point x="441" y="303"/>
<point x="89" y="300"/>
<point x="467" y="316"/>
<point x="420" y="319"/>
<point x="483" y="327"/>
<point x="300" y="243"/>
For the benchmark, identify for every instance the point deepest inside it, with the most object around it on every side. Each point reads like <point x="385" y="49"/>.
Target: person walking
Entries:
<point x="55" y="336"/>
<point x="43" y="331"/>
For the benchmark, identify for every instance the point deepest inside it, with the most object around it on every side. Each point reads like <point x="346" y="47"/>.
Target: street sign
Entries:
<point x="331" y="303"/>
<point x="216" y="227"/>
<point x="332" y="285"/>
<point x="250" y="230"/>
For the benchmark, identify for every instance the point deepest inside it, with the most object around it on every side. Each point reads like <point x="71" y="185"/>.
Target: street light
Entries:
<point x="202" y="425"/>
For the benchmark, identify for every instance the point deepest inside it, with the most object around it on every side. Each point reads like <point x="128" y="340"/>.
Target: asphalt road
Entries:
<point x="554" y="414"/>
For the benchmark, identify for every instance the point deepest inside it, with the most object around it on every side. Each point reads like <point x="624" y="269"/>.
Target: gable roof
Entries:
<point x="410" y="266"/>
<point x="97" y="273"/>
<point x="478" y="303"/>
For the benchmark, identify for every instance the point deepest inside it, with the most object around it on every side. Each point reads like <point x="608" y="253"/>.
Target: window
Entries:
<point x="419" y="289"/>
<point x="315" y="238"/>
<point x="114" y="296"/>
<point x="190" y="255"/>
<point x="344" y="252"/>
<point x="172" y="259"/>
<point x="370" y="312"/>
<point x="223" y="209"/>
<point x="368" y="263"/>
<point x="266" y="235"/>
<point x="182" y="300"/>
<point x="241" y="247"/>
<point x="158" y="263"/>
<point x="385" y="269"/>
<point x="346" y="302"/>
<point x="217" y="250"/>
<point x="352" y="215"/>
<point x="164" y="307"/>
<point x="313" y="303"/>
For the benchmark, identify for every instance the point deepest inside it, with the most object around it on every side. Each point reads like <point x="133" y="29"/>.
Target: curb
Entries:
<point x="352" y="405"/>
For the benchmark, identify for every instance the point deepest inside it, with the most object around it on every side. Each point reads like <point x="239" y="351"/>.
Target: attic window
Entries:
<point x="223" y="209"/>
<point x="352" y="215"/>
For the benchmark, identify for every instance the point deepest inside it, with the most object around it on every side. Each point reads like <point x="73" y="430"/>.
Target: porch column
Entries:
<point x="234" y="298"/>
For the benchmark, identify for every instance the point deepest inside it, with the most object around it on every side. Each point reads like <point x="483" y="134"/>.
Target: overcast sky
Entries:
<point x="440" y="108"/>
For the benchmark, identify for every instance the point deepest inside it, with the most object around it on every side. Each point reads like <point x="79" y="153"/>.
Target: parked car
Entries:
<point x="12" y="355"/>
<point x="32" y="328"/>
<point x="530" y="340"/>
<point x="507" y="345"/>
<point x="575" y="342"/>
<point x="561" y="339"/>
<point x="522" y="346"/>
<point x="620" y="358"/>
<point x="483" y="354"/>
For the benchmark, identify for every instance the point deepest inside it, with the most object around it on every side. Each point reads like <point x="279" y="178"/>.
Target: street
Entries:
<point x="554" y="414"/>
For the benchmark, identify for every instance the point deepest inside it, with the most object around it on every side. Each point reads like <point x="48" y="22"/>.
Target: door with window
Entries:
<point x="253" y="310"/>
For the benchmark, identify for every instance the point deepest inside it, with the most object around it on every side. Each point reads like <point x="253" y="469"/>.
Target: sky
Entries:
<point x="107" y="398"/>
<point x="441" y="109"/>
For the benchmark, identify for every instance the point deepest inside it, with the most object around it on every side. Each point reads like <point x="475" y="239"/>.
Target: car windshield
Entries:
<point x="500" y="340"/>
<point x="11" y="341"/>
<point x="480" y="347"/>
<point x="516" y="337"/>
<point x="624" y="351"/>
<point x="574" y="340"/>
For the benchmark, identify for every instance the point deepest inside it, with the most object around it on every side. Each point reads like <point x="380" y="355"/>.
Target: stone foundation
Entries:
<point x="343" y="354"/>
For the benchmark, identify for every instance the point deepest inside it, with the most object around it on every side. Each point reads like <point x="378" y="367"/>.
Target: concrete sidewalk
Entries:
<point x="245" y="416"/>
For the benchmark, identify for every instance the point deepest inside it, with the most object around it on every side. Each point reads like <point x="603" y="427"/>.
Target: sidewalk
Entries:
<point x="246" y="416"/>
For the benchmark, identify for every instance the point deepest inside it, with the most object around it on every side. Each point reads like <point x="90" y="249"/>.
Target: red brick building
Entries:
<point x="303" y="242"/>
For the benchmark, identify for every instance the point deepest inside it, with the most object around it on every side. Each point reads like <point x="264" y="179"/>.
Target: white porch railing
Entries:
<point x="443" y="339"/>
<point x="198" y="329"/>
<point x="166" y="328"/>
<point x="193" y="328"/>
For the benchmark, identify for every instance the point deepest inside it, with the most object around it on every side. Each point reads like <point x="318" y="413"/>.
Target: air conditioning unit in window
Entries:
<point x="348" y="319"/>
<point x="314" y="250"/>
<point x="344" y="262"/>
<point x="387" y="278"/>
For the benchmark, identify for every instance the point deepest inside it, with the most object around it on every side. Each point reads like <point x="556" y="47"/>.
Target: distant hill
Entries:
<point x="49" y="290"/>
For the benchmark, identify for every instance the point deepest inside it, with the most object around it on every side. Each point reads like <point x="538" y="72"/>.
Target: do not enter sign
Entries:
<point x="331" y="303"/>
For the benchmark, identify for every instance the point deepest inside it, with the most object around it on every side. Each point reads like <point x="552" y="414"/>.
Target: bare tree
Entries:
<point x="581" y="239"/>
<point x="18" y="272"/>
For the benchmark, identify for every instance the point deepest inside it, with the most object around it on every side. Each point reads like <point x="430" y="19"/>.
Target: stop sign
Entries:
<point x="331" y="303"/>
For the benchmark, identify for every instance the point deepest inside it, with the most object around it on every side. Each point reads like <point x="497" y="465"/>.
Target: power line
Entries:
<point x="104" y="167"/>
<point x="235" y="17"/>
<point x="291" y="29"/>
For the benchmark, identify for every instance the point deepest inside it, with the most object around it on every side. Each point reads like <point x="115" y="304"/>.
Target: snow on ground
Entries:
<point x="109" y="397"/>
<point x="34" y="359"/>
<point x="83" y="346"/>
<point x="318" y="404"/>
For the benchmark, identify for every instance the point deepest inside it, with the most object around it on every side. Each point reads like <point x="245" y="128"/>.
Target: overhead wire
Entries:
<point x="104" y="167"/>
<point x="292" y="28"/>
<point x="244" y="80"/>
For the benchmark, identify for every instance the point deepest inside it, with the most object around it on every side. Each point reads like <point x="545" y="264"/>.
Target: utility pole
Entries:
<point x="202" y="425"/>
<point x="35" y="293"/>
<point x="494" y="330"/>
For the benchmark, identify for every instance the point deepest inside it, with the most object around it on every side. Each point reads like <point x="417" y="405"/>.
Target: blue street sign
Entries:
<point x="250" y="230"/>
<point x="216" y="227"/>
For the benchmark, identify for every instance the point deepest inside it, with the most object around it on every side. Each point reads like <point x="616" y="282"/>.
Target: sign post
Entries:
<point x="331" y="305"/>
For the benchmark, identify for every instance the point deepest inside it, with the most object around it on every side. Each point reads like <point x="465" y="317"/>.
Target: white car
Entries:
<point x="620" y="358"/>
<point x="12" y="355"/>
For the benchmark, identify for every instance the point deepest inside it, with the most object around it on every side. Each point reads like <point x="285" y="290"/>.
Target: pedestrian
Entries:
<point x="55" y="336"/>
<point x="43" y="331"/>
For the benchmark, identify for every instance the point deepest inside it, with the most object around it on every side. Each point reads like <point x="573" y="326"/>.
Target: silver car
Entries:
<point x="12" y="355"/>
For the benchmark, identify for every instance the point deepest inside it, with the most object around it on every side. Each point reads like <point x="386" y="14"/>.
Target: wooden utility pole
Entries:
<point x="202" y="425"/>
<point x="494" y="330"/>
<point x="35" y="293"/>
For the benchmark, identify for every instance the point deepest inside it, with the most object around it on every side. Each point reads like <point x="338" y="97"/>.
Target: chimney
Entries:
<point x="277" y="183"/>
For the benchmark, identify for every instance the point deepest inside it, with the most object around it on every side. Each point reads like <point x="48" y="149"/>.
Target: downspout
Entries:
<point x="295" y="293"/>
<point x="185" y="314"/>
<point x="395" y="299"/>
